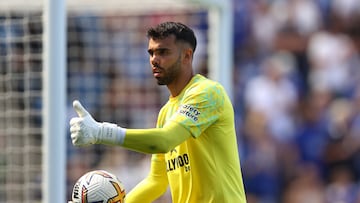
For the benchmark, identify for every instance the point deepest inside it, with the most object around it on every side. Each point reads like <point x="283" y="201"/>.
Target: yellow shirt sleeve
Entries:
<point x="153" y="186"/>
<point x="199" y="108"/>
<point x="156" y="140"/>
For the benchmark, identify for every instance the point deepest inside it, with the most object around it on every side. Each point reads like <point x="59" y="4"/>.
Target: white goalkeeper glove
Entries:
<point x="86" y="131"/>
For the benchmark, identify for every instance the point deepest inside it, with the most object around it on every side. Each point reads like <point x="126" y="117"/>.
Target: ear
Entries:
<point x="188" y="55"/>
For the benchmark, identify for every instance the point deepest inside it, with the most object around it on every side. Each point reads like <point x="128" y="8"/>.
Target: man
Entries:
<point x="194" y="144"/>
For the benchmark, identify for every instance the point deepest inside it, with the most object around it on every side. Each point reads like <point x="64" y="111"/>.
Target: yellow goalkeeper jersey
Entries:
<point x="206" y="167"/>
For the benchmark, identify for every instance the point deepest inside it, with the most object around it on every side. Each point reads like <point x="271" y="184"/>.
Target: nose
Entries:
<point x="154" y="60"/>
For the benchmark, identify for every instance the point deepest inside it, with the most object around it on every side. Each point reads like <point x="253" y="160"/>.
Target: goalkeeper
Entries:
<point x="194" y="148"/>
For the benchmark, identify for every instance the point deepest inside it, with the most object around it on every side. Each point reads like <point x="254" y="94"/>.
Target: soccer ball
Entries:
<point x="98" y="186"/>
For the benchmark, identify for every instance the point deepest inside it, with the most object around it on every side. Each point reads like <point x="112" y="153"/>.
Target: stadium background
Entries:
<point x="296" y="96"/>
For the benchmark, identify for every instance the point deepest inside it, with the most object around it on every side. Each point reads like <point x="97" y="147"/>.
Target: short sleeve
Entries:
<point x="200" y="107"/>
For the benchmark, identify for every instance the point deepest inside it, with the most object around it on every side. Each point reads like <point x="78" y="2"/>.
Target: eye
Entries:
<point x="159" y="52"/>
<point x="163" y="51"/>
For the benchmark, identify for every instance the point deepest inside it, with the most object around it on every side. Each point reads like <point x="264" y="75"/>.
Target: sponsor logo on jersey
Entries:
<point x="189" y="111"/>
<point x="181" y="161"/>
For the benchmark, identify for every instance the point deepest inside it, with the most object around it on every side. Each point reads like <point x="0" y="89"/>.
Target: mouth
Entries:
<point x="156" y="72"/>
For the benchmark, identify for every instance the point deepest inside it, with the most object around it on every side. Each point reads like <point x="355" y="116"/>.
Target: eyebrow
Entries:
<point x="150" y="51"/>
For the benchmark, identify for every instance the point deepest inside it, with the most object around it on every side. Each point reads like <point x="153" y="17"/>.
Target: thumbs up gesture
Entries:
<point x="86" y="131"/>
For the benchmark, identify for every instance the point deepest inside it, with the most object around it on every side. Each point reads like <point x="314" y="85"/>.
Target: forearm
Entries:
<point x="155" y="140"/>
<point x="146" y="191"/>
<point x="153" y="186"/>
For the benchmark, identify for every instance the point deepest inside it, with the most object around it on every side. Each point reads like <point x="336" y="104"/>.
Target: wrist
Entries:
<point x="111" y="134"/>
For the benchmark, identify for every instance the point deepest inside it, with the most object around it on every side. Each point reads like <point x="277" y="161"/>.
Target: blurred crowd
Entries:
<point x="297" y="99"/>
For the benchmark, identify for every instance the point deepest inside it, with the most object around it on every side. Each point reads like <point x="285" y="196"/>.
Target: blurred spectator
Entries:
<point x="274" y="95"/>
<point x="341" y="187"/>
<point x="260" y="160"/>
<point x="341" y="146"/>
<point x="306" y="187"/>
<point x="312" y="128"/>
<point x="345" y="9"/>
<point x="331" y="55"/>
<point x="270" y="98"/>
<point x="264" y="25"/>
<point x="304" y="17"/>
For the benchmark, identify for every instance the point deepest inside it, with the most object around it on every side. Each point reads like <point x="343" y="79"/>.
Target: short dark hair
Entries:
<point x="181" y="32"/>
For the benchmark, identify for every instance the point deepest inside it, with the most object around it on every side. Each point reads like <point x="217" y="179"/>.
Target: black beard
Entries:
<point x="170" y="74"/>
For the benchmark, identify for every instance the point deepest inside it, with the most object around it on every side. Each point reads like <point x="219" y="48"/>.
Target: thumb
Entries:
<point x="80" y="110"/>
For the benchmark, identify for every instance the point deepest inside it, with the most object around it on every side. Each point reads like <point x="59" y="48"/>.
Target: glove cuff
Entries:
<point x="111" y="134"/>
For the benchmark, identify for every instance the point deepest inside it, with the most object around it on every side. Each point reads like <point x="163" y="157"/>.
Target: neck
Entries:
<point x="178" y="85"/>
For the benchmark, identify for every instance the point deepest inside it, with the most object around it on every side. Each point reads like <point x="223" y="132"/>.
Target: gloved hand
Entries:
<point x="86" y="131"/>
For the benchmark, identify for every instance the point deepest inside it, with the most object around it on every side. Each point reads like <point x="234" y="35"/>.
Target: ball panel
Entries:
<point x="98" y="186"/>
